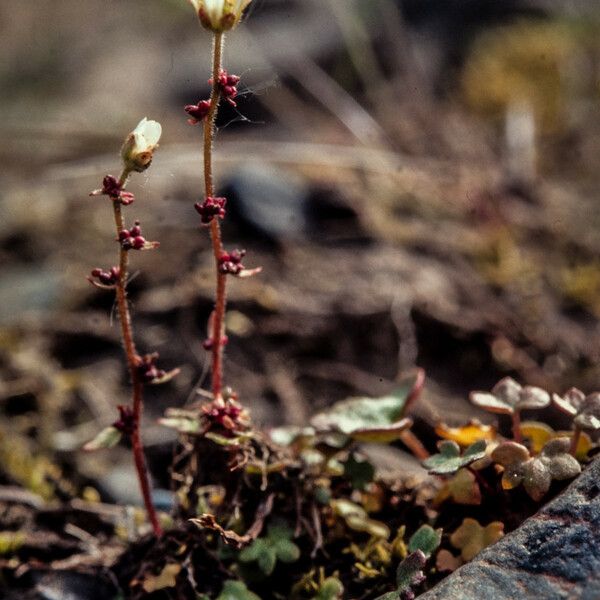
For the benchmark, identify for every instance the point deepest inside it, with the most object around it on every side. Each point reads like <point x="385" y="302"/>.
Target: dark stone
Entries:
<point x="267" y="203"/>
<point x="555" y="554"/>
<point x="66" y="585"/>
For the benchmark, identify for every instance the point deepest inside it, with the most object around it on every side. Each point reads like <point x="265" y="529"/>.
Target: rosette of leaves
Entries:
<point x="585" y="411"/>
<point x="372" y="419"/>
<point x="409" y="574"/>
<point x="276" y="546"/>
<point x="449" y="459"/>
<point x="535" y="473"/>
<point x="509" y="398"/>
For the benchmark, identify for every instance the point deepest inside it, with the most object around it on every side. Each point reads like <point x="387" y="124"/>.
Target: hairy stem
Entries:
<point x="215" y="229"/>
<point x="132" y="364"/>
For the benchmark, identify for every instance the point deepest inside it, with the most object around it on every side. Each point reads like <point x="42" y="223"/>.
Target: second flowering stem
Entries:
<point x="133" y="363"/>
<point x="215" y="229"/>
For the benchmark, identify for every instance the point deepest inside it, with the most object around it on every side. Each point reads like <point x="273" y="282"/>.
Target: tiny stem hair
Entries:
<point x="133" y="366"/>
<point x="215" y="229"/>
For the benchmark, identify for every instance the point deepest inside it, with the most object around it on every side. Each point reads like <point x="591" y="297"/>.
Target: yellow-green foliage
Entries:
<point x="32" y="472"/>
<point x="526" y="62"/>
<point x="10" y="542"/>
<point x="582" y="285"/>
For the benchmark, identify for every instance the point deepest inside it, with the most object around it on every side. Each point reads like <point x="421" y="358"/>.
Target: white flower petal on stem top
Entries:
<point x="140" y="144"/>
<point x="219" y="15"/>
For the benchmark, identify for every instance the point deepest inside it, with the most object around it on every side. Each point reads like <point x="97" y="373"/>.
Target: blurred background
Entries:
<point x="418" y="178"/>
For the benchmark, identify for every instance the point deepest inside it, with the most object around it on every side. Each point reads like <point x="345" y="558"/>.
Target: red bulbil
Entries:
<point x="230" y="263"/>
<point x="147" y="368"/>
<point x="197" y="112"/>
<point x="132" y="239"/>
<point x="110" y="277"/>
<point x="227" y="86"/>
<point x="208" y="343"/>
<point x="211" y="208"/>
<point x="227" y="414"/>
<point x="126" y="421"/>
<point x="112" y="188"/>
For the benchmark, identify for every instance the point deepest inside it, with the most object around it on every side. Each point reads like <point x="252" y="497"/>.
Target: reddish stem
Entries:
<point x="215" y="229"/>
<point x="575" y="441"/>
<point x="414" y="444"/>
<point x="480" y="479"/>
<point x="132" y="363"/>
<point x="516" y="427"/>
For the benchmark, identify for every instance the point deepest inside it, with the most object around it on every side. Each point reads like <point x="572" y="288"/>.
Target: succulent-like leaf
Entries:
<point x="468" y="434"/>
<point x="463" y="488"/>
<point x="449" y="459"/>
<point x="470" y="538"/>
<point x="426" y="539"/>
<point x="410" y="571"/>
<point x="536" y="473"/>
<point x="236" y="590"/>
<point x="409" y="574"/>
<point x="539" y="434"/>
<point x="571" y="402"/>
<point x="508" y="396"/>
<point x="446" y="562"/>
<point x="588" y="417"/>
<point x="371" y="419"/>
<point x="107" y="438"/>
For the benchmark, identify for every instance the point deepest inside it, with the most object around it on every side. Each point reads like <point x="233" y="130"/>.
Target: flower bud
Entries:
<point x="219" y="15"/>
<point x="138" y="149"/>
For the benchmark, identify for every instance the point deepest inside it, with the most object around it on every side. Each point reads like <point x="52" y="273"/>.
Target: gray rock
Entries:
<point x="268" y="202"/>
<point x="554" y="555"/>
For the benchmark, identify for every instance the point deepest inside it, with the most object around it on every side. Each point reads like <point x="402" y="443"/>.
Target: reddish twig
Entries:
<point x="215" y="229"/>
<point x="133" y="363"/>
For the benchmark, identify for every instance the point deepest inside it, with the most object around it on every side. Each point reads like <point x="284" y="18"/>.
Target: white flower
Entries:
<point x="139" y="146"/>
<point x="220" y="15"/>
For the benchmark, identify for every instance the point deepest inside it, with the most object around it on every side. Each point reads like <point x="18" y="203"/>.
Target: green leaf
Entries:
<point x="330" y="589"/>
<point x="409" y="574"/>
<point x="277" y="545"/>
<point x="253" y="551"/>
<point x="181" y="424"/>
<point x="449" y="460"/>
<point x="286" y="551"/>
<point x="359" y="472"/>
<point x="372" y="419"/>
<point x="426" y="539"/>
<point x="286" y="436"/>
<point x="236" y="590"/>
<point x="107" y="438"/>
<point x="267" y="559"/>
